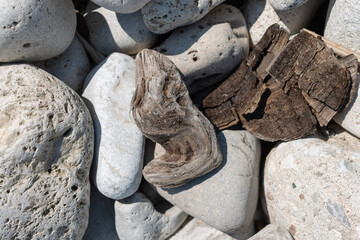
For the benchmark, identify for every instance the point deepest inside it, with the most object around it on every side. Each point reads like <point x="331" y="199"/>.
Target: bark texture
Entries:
<point x="283" y="89"/>
<point x="164" y="112"/>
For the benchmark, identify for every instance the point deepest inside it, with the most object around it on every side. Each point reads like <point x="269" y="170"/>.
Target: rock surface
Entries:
<point x="259" y="15"/>
<point x="71" y="66"/>
<point x="136" y="218"/>
<point x="312" y="187"/>
<point x="119" y="144"/>
<point x="127" y="6"/>
<point x="198" y="230"/>
<point x="225" y="198"/>
<point x="272" y="232"/>
<point x="207" y="51"/>
<point x="115" y="32"/>
<point x="35" y="30"/>
<point x="286" y="5"/>
<point x="162" y="16"/>
<point x="342" y="25"/>
<point x="46" y="148"/>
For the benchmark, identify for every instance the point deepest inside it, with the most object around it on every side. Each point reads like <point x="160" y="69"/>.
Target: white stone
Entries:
<point x="136" y="219"/>
<point x="350" y="117"/>
<point x="71" y="66"/>
<point x="260" y="15"/>
<point x="35" y="30"/>
<point x="115" y="32"/>
<point x="162" y="16"/>
<point x="225" y="198"/>
<point x="123" y="6"/>
<point x="208" y="51"/>
<point x="119" y="144"/>
<point x="46" y="148"/>
<point x="272" y="232"/>
<point x="312" y="187"/>
<point x="342" y="25"/>
<point x="286" y="5"/>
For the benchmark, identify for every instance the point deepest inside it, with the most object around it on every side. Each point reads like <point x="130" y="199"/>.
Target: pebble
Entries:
<point x="162" y="16"/>
<point x="312" y="187"/>
<point x="46" y="148"/>
<point x="272" y="232"/>
<point x="225" y="198"/>
<point x="35" y="30"/>
<point x="115" y="32"/>
<point x="127" y="6"/>
<point x="136" y="219"/>
<point x="198" y="230"/>
<point x="286" y="5"/>
<point x="342" y="25"/>
<point x="71" y="66"/>
<point x="208" y="51"/>
<point x="119" y="144"/>
<point x="260" y="15"/>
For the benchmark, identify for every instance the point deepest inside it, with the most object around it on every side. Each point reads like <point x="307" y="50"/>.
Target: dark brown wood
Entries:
<point x="284" y="88"/>
<point x="164" y="112"/>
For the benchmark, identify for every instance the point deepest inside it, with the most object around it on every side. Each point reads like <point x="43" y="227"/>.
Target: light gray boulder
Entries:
<point x="225" y="198"/>
<point x="342" y="24"/>
<point x="46" y="148"/>
<point x="35" y="30"/>
<point x="123" y="6"/>
<point x="115" y="32"/>
<point x="272" y="232"/>
<point x="119" y="144"/>
<point x="286" y="5"/>
<point x="71" y="66"/>
<point x="136" y="219"/>
<point x="162" y="16"/>
<point x="312" y="187"/>
<point x="208" y="51"/>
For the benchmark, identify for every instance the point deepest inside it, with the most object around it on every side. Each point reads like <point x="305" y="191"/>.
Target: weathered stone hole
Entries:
<point x="74" y="188"/>
<point x="195" y="59"/>
<point x="26" y="45"/>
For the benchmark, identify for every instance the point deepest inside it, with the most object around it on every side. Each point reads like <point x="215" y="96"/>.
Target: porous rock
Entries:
<point x="35" y="30"/>
<point x="115" y="32"/>
<point x="136" y="219"/>
<point x="207" y="51"/>
<point x="272" y="232"/>
<point x="162" y="16"/>
<point x="127" y="6"/>
<point x="46" y="148"/>
<point x="312" y="187"/>
<point x="286" y="5"/>
<point x="119" y="144"/>
<point x="225" y="198"/>
<point x="71" y="66"/>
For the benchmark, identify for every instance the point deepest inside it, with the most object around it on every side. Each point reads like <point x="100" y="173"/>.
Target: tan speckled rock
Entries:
<point x="272" y="232"/>
<point x="312" y="187"/>
<point x="46" y="148"/>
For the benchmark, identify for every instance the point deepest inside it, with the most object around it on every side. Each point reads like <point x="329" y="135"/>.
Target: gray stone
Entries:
<point x="225" y="198"/>
<point x="272" y="232"/>
<point x="46" y="147"/>
<point x="312" y="187"/>
<point x="136" y="218"/>
<point x="342" y="25"/>
<point x="71" y="66"/>
<point x="35" y="30"/>
<point x="119" y="144"/>
<point x="115" y="32"/>
<point x="102" y="217"/>
<point x="207" y="51"/>
<point x="286" y="5"/>
<point x="260" y="15"/>
<point x="162" y="16"/>
<point x="123" y="6"/>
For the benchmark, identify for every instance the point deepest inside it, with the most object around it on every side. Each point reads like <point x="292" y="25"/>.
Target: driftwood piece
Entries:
<point x="164" y="112"/>
<point x="282" y="89"/>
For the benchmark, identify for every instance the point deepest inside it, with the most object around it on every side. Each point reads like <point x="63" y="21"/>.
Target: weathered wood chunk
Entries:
<point x="284" y="88"/>
<point x="164" y="112"/>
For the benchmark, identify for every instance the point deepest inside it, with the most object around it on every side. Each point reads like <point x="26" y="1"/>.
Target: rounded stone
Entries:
<point x="286" y="5"/>
<point x="115" y="32"/>
<point x="46" y="148"/>
<point x="71" y="66"/>
<point x="127" y="6"/>
<point x="208" y="51"/>
<point x="35" y="30"/>
<point x="312" y="187"/>
<point x="119" y="144"/>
